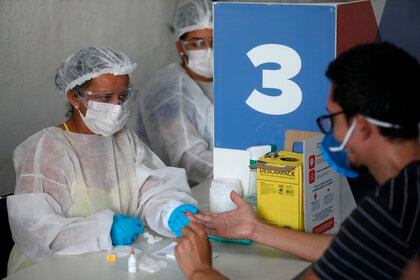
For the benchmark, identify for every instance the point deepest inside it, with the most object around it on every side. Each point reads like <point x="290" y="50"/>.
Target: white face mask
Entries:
<point x="105" y="118"/>
<point x="201" y="62"/>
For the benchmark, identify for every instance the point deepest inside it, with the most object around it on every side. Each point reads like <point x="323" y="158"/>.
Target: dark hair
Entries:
<point x="183" y="36"/>
<point x="75" y="90"/>
<point x="381" y="81"/>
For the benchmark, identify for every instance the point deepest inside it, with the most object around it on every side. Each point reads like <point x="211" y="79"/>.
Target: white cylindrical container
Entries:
<point x="132" y="262"/>
<point x="255" y="153"/>
<point x="219" y="194"/>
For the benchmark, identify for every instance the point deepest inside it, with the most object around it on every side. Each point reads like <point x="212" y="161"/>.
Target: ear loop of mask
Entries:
<point x="390" y="125"/>
<point x="372" y="121"/>
<point x="381" y="123"/>
<point x="346" y="139"/>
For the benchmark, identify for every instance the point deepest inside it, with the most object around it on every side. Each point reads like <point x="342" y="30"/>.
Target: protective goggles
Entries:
<point x="198" y="44"/>
<point x="117" y="97"/>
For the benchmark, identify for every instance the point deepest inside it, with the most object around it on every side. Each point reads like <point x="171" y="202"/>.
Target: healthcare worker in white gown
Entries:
<point x="177" y="104"/>
<point x="90" y="183"/>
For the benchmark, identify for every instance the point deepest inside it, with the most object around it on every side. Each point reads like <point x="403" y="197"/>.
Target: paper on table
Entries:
<point x="124" y="250"/>
<point x="169" y="252"/>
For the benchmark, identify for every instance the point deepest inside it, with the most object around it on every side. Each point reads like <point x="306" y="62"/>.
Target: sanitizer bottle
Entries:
<point x="132" y="262"/>
<point x="255" y="153"/>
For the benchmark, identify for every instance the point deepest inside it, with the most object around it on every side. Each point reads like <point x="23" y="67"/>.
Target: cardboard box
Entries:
<point x="299" y="191"/>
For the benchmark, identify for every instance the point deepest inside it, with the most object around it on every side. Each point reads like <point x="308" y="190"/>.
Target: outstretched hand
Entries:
<point x="239" y="223"/>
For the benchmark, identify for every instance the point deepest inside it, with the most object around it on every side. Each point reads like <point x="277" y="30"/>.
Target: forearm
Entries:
<point x="308" y="246"/>
<point x="96" y="229"/>
<point x="208" y="274"/>
<point x="47" y="232"/>
<point x="160" y="197"/>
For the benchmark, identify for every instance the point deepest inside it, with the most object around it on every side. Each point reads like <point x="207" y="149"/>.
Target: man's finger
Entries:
<point x="186" y="231"/>
<point x="211" y="231"/>
<point x="197" y="228"/>
<point x="207" y="213"/>
<point x="201" y="222"/>
<point x="194" y="219"/>
<point x="236" y="198"/>
<point x="203" y="212"/>
<point x="205" y="218"/>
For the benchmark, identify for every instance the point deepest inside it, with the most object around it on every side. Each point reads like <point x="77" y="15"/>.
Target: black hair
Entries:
<point x="183" y="36"/>
<point x="381" y="81"/>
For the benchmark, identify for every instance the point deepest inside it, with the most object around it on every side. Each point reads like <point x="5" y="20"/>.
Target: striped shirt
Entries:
<point x="381" y="235"/>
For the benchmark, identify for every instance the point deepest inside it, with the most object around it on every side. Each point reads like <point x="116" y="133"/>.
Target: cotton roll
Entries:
<point x="219" y="195"/>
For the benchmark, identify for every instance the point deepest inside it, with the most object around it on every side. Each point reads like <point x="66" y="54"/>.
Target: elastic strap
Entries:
<point x="66" y="127"/>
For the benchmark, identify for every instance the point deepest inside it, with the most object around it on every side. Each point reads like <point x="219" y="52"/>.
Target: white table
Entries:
<point x="235" y="261"/>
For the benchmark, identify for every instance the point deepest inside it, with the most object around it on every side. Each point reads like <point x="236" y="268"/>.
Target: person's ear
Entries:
<point x="73" y="100"/>
<point x="365" y="129"/>
<point x="181" y="51"/>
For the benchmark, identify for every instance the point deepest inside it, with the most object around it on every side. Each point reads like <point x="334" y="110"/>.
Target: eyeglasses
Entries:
<point x="114" y="96"/>
<point x="325" y="122"/>
<point x="198" y="44"/>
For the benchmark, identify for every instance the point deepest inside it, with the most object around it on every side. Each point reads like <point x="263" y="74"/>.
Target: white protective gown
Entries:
<point x="69" y="186"/>
<point x="177" y="119"/>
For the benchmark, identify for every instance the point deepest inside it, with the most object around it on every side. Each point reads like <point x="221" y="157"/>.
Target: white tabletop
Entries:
<point x="235" y="261"/>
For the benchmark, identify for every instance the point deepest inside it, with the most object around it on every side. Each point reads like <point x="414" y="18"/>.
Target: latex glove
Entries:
<point x="125" y="229"/>
<point x="178" y="220"/>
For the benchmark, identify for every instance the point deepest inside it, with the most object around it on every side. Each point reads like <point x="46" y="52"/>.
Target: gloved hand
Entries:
<point x="125" y="229"/>
<point x="178" y="220"/>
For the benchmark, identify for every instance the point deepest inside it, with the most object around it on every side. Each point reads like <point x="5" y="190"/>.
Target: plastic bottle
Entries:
<point x="132" y="262"/>
<point x="255" y="152"/>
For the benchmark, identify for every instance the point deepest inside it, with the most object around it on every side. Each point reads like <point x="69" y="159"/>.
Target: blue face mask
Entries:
<point x="334" y="153"/>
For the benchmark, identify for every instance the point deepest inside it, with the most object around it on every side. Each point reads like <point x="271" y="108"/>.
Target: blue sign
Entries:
<point x="270" y="61"/>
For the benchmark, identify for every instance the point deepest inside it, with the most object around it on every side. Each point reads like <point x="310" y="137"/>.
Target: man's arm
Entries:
<point x="412" y="270"/>
<point x="242" y="223"/>
<point x="305" y="245"/>
<point x="309" y="275"/>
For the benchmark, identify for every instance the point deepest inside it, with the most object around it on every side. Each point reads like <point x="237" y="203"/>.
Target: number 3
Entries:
<point x="290" y="65"/>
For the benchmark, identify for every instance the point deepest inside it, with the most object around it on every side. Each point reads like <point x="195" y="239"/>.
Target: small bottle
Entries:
<point x="132" y="262"/>
<point x="111" y="257"/>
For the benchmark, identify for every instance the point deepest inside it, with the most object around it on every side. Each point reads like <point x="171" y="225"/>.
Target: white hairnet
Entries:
<point x="193" y="15"/>
<point x="89" y="63"/>
<point x="177" y="119"/>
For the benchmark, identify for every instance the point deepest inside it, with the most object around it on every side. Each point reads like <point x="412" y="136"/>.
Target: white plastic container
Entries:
<point x="255" y="153"/>
<point x="219" y="194"/>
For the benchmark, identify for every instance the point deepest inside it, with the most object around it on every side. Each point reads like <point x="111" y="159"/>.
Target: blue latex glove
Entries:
<point x="178" y="220"/>
<point x="125" y="229"/>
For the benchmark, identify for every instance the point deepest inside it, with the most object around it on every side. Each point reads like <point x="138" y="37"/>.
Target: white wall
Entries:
<point x="37" y="35"/>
